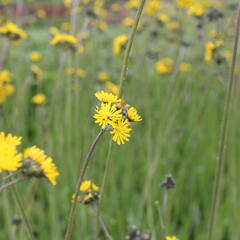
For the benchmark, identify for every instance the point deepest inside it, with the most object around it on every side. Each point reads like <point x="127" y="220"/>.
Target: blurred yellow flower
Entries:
<point x="66" y="26"/>
<point x="36" y="71"/>
<point x="39" y="99"/>
<point x="119" y="43"/>
<point x="10" y="159"/>
<point x="132" y="3"/>
<point x="228" y="54"/>
<point x="106" y="97"/>
<point x="81" y="73"/>
<point x="112" y="87"/>
<point x="41" y="13"/>
<point x="162" y="17"/>
<point x="128" y="22"/>
<point x="171" y="238"/>
<point x="164" y="66"/>
<point x="153" y="7"/>
<point x="185" y="67"/>
<point x="133" y="115"/>
<point x="35" y="56"/>
<point x="54" y="31"/>
<point x="103" y="76"/>
<point x="173" y="25"/>
<point x="64" y="40"/>
<point x="185" y="3"/>
<point x="210" y="48"/>
<point x="197" y="9"/>
<point x="6" y="88"/>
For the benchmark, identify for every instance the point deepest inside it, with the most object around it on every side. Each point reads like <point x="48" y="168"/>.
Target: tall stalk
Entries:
<point x="224" y="133"/>
<point x="79" y="182"/>
<point x="129" y="46"/>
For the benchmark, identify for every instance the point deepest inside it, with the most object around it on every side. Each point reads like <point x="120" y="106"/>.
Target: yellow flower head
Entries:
<point x="120" y="132"/>
<point x="171" y="238"/>
<point x="12" y="32"/>
<point x="185" y="67"/>
<point x="103" y="76"/>
<point x="107" y="114"/>
<point x="81" y="73"/>
<point x="185" y="3"/>
<point x="53" y="31"/>
<point x="164" y="66"/>
<point x="128" y="22"/>
<point x="119" y="43"/>
<point x="6" y="88"/>
<point x="210" y="49"/>
<point x="132" y="4"/>
<point x="87" y="186"/>
<point x="39" y="98"/>
<point x="153" y="7"/>
<point x="36" y="71"/>
<point x="35" y="56"/>
<point x="64" y="40"/>
<point x="66" y="26"/>
<point x="106" y="97"/>
<point x="173" y="25"/>
<point x="162" y="17"/>
<point x="10" y="159"/>
<point x="112" y="87"/>
<point x="37" y="164"/>
<point x="41" y="13"/>
<point x="197" y="9"/>
<point x="5" y="76"/>
<point x="133" y="115"/>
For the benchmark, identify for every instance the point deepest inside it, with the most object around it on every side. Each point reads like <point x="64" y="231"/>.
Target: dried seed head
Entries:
<point x="168" y="183"/>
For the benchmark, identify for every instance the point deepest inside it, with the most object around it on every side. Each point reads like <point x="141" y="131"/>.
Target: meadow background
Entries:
<point x="179" y="134"/>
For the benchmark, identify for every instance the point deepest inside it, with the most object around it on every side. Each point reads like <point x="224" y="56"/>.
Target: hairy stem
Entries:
<point x="223" y="136"/>
<point x="9" y="184"/>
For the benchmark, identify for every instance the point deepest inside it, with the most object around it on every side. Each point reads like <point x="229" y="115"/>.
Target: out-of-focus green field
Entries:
<point x="179" y="135"/>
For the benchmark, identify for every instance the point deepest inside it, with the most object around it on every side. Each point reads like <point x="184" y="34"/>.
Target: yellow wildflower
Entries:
<point x="162" y="17"/>
<point x="107" y="114"/>
<point x="133" y="115"/>
<point x="106" y="97"/>
<point x="228" y="54"/>
<point x="35" y="56"/>
<point x="103" y="76"/>
<point x="164" y="66"/>
<point x="39" y="99"/>
<point x="171" y="238"/>
<point x="210" y="48"/>
<point x="10" y="159"/>
<point x="132" y="4"/>
<point x="87" y="186"/>
<point x="185" y="3"/>
<point x="41" y="13"/>
<point x="197" y="9"/>
<point x="119" y="43"/>
<point x="185" y="67"/>
<point x="153" y="7"/>
<point x="36" y="71"/>
<point x="66" y="26"/>
<point x="173" y="25"/>
<point x="112" y="87"/>
<point x="6" y="88"/>
<point x="53" y="31"/>
<point x="120" y="132"/>
<point x="128" y="22"/>
<point x="64" y="40"/>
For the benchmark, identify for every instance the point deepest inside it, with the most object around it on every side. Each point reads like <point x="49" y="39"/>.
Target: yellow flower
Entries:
<point x="81" y="73"/>
<point x="185" y="3"/>
<point x="128" y="22"/>
<point x="120" y="131"/>
<point x="39" y="98"/>
<point x="119" y="43"/>
<point x="53" y="31"/>
<point x="153" y="7"/>
<point x="133" y="115"/>
<point x="66" y="26"/>
<point x="173" y="25"/>
<point x="102" y="25"/>
<point x="5" y="76"/>
<point x="103" y="76"/>
<point x="228" y="54"/>
<point x="37" y="164"/>
<point x="36" y="71"/>
<point x="106" y="97"/>
<point x="107" y="114"/>
<point x="185" y="67"/>
<point x="10" y="159"/>
<point x="164" y="66"/>
<point x="112" y="87"/>
<point x="132" y="3"/>
<point x="35" y="56"/>
<point x="41" y="13"/>
<point x="171" y="238"/>
<point x="12" y="31"/>
<point x="197" y="9"/>
<point x="64" y="40"/>
<point x="163" y="17"/>
<point x="67" y="3"/>
<point x="210" y="48"/>
<point x="87" y="186"/>
<point x="6" y="88"/>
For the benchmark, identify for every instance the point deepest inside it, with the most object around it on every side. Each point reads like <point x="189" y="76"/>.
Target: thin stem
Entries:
<point x="7" y="177"/>
<point x="21" y="207"/>
<point x="9" y="184"/>
<point x="79" y="182"/>
<point x="165" y="212"/>
<point x="102" y="223"/>
<point x="74" y="15"/>
<point x="224" y="132"/>
<point x="129" y="46"/>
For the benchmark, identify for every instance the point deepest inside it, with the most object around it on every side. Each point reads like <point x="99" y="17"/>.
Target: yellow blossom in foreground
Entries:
<point x="121" y="131"/>
<point x="106" y="114"/>
<point x="185" y="67"/>
<point x="36" y="71"/>
<point x="35" y="56"/>
<point x="197" y="9"/>
<point x="103" y="76"/>
<point x="112" y="87"/>
<point x="12" y="31"/>
<point x="119" y="43"/>
<point x="106" y="97"/>
<point x="39" y="98"/>
<point x="133" y="115"/>
<point x="171" y="238"/>
<point x="10" y="159"/>
<point x="64" y="40"/>
<point x="164" y="66"/>
<point x="128" y="22"/>
<point x="36" y="163"/>
<point x="153" y="7"/>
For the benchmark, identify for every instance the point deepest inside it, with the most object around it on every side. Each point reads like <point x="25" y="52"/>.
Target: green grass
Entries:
<point x="179" y="134"/>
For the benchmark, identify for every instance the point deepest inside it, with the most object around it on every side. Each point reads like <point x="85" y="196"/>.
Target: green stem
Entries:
<point x="79" y="182"/>
<point x="224" y="132"/>
<point x="21" y="207"/>
<point x="9" y="184"/>
<point x="129" y="46"/>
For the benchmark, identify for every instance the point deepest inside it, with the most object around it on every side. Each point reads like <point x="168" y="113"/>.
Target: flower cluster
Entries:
<point x="194" y="7"/>
<point x="116" y="116"/>
<point x="66" y="41"/>
<point x="119" y="43"/>
<point x="12" y="32"/>
<point x="164" y="66"/>
<point x="89" y="192"/>
<point x="6" y="88"/>
<point x="32" y="163"/>
<point x="211" y="49"/>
